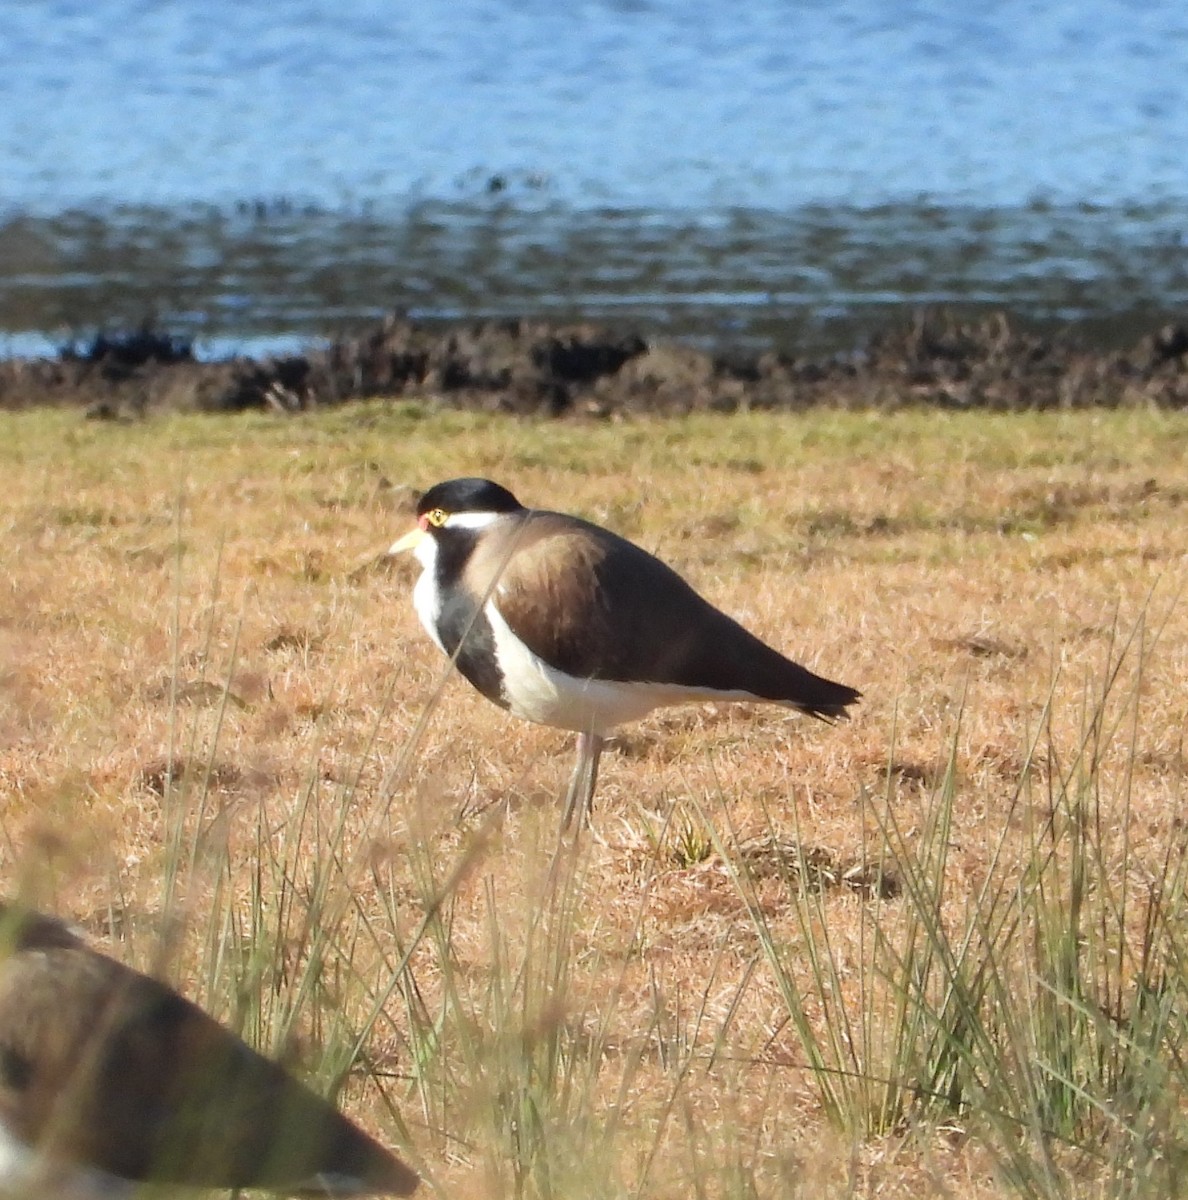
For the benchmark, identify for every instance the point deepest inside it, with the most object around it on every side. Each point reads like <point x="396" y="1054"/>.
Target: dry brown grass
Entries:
<point x="196" y="642"/>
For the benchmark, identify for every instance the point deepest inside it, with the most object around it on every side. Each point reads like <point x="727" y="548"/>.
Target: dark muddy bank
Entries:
<point x="532" y="368"/>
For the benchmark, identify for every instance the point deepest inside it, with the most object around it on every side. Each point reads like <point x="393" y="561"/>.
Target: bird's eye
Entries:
<point x="436" y="517"/>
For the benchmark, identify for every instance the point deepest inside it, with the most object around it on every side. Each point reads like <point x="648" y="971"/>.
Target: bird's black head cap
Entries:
<point x="468" y="495"/>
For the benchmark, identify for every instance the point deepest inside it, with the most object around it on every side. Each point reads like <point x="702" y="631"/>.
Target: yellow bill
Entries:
<point x="410" y="541"/>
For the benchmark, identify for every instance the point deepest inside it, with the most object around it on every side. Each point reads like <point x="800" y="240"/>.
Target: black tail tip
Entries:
<point x="834" y="705"/>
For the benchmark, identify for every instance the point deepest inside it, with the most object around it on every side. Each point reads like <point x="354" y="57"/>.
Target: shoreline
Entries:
<point x="931" y="358"/>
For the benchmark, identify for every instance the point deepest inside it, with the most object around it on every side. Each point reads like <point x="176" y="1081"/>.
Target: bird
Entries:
<point x="565" y="623"/>
<point x="111" y="1080"/>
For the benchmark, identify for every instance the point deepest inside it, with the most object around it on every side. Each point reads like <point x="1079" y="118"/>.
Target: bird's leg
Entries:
<point x="585" y="775"/>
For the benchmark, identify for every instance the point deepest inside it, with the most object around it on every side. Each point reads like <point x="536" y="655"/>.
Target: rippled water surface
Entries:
<point x="768" y="170"/>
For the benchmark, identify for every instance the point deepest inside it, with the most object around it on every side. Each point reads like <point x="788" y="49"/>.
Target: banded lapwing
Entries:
<point x="110" y="1081"/>
<point x="565" y="623"/>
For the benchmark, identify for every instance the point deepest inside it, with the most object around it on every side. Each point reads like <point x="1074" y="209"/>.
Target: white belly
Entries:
<point x="538" y="692"/>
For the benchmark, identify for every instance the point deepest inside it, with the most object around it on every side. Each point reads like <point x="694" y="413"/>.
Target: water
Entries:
<point x="762" y="172"/>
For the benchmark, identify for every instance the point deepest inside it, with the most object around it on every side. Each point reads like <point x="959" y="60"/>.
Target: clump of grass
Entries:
<point x="1044" y="1013"/>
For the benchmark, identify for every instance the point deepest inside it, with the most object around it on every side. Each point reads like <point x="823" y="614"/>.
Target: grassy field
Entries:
<point x="939" y="950"/>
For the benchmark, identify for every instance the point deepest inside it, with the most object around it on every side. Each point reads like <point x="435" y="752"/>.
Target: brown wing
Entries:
<point x="599" y="607"/>
<point x="105" y="1067"/>
<point x="544" y="575"/>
